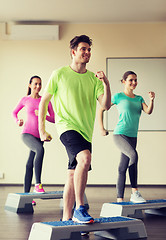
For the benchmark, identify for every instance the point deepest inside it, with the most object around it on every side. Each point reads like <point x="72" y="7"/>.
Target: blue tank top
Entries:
<point x="129" y="114"/>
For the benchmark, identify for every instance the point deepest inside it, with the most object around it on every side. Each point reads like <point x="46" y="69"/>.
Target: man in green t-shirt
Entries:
<point x="75" y="91"/>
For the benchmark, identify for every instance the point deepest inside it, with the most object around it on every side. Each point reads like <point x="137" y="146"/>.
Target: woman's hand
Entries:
<point x="152" y="95"/>
<point x="149" y="109"/>
<point x="36" y="112"/>
<point x="104" y="132"/>
<point x="20" y="122"/>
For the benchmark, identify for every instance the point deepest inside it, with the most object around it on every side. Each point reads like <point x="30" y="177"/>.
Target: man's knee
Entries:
<point x="84" y="159"/>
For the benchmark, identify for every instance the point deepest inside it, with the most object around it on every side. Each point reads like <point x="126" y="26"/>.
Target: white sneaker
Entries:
<point x="84" y="233"/>
<point x="137" y="198"/>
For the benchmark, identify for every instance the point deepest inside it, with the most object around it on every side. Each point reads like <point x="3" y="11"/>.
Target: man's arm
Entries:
<point x="43" y="108"/>
<point x="101" y="124"/>
<point x="104" y="99"/>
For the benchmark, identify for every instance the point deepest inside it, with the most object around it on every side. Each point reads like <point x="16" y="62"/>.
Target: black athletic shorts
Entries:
<point x="74" y="143"/>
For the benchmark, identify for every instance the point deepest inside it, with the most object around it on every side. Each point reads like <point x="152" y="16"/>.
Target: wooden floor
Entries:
<point x="17" y="226"/>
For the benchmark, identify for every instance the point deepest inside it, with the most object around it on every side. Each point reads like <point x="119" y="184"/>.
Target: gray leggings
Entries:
<point x="129" y="159"/>
<point x="35" y="159"/>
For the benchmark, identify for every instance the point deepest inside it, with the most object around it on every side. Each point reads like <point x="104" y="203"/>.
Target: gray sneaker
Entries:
<point x="137" y="198"/>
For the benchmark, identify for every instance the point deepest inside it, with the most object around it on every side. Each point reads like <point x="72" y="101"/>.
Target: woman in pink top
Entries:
<point x="30" y="133"/>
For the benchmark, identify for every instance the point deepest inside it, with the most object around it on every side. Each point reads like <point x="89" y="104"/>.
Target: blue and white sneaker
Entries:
<point x="81" y="216"/>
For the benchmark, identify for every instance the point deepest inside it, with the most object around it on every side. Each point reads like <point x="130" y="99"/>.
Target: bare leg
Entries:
<point x="76" y="183"/>
<point x="134" y="190"/>
<point x="119" y="199"/>
<point x="81" y="175"/>
<point x="68" y="195"/>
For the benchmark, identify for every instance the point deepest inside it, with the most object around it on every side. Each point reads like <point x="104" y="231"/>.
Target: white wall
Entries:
<point x="19" y="60"/>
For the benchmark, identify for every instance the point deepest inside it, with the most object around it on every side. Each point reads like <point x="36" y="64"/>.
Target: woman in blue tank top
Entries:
<point x="129" y="107"/>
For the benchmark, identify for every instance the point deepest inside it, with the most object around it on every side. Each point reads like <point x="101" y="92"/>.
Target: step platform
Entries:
<point x="119" y="228"/>
<point x="134" y="210"/>
<point x="22" y="202"/>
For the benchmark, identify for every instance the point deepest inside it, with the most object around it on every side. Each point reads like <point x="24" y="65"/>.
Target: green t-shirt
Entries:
<point x="75" y="98"/>
<point x="129" y="114"/>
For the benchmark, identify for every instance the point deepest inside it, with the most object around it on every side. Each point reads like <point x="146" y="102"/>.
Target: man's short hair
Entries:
<point x="77" y="39"/>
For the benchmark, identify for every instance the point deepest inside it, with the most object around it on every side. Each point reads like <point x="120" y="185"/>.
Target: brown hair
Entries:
<point x="77" y="39"/>
<point x="30" y="81"/>
<point x="126" y="74"/>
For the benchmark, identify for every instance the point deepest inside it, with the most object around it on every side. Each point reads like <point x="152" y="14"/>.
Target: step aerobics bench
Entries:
<point x="111" y="228"/>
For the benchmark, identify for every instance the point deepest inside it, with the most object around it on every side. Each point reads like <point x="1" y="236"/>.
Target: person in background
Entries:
<point x="30" y="133"/>
<point x="129" y="106"/>
<point x="76" y="91"/>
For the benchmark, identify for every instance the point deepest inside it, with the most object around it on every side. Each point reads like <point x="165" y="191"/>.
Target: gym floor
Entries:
<point x="17" y="226"/>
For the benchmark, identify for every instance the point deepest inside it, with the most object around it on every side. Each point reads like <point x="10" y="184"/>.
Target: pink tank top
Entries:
<point x="31" y="124"/>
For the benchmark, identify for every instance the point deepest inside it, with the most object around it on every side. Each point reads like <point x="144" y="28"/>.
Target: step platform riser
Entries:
<point x="22" y="202"/>
<point x="129" y="209"/>
<point x="113" y="228"/>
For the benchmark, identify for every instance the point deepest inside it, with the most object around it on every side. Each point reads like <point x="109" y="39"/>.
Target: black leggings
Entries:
<point x="35" y="159"/>
<point x="129" y="159"/>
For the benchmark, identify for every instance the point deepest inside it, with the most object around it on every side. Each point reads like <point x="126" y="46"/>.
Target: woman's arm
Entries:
<point x="51" y="116"/>
<point x="43" y="108"/>
<point x="149" y="109"/>
<point x="15" y="112"/>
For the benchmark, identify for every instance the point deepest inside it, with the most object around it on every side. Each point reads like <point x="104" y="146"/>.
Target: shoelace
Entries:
<point x="40" y="186"/>
<point x="138" y="194"/>
<point x="84" y="213"/>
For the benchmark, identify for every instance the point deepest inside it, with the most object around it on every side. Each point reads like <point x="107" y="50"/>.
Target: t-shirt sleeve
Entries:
<point x="51" y="86"/>
<point x="142" y="100"/>
<point x="99" y="88"/>
<point x="114" y="98"/>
